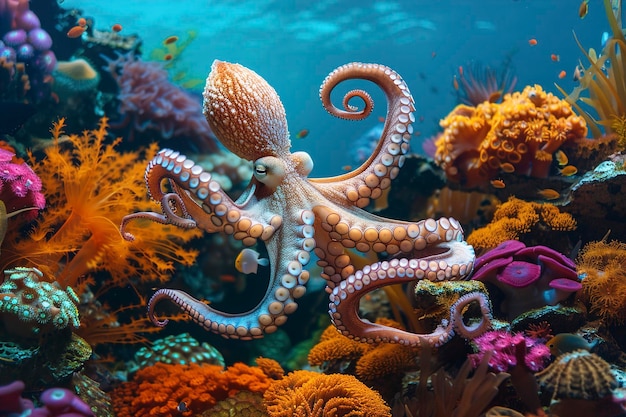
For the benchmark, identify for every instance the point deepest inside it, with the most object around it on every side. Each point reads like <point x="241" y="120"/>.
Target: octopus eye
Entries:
<point x="260" y="169"/>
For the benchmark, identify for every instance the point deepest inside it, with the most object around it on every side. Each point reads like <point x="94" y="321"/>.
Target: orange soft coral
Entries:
<point x="604" y="287"/>
<point x="158" y="390"/>
<point x="517" y="217"/>
<point x="520" y="134"/>
<point x="309" y="394"/>
<point x="89" y="188"/>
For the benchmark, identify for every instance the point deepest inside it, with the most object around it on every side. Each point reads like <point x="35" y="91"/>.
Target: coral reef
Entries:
<point x="519" y="135"/>
<point x="309" y="394"/>
<point x="20" y="187"/>
<point x="159" y="389"/>
<point x="503" y="345"/>
<point x="521" y="220"/>
<point x="530" y="277"/>
<point x="150" y="102"/>
<point x="57" y="402"/>
<point x="603" y="268"/>
<point x="179" y="349"/>
<point x="30" y="306"/>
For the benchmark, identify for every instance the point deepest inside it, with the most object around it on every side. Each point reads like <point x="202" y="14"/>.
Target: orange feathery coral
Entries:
<point x="523" y="132"/>
<point x="516" y="217"/>
<point x="309" y="394"/>
<point x="159" y="389"/>
<point x="89" y="188"/>
<point x="604" y="288"/>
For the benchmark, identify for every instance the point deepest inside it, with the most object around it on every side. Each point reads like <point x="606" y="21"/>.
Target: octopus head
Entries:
<point x="245" y="112"/>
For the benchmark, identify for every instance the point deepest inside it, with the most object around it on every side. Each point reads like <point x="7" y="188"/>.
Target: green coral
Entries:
<point x="44" y="306"/>
<point x="180" y="349"/>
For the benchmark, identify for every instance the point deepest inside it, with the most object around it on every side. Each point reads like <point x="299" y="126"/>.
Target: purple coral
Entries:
<point x="530" y="277"/>
<point x="58" y="402"/>
<point x="149" y="101"/>
<point x="20" y="187"/>
<point x="503" y="345"/>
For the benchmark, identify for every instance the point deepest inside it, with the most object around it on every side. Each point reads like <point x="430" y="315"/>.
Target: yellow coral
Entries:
<point x="516" y="217"/>
<point x="523" y="132"/>
<point x="309" y="394"/>
<point x="604" y="287"/>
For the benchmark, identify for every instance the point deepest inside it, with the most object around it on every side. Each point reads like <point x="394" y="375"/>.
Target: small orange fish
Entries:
<point x="583" y="9"/>
<point x="495" y="96"/>
<point x="227" y="278"/>
<point x="381" y="119"/>
<point x="76" y="31"/>
<point x="562" y="74"/>
<point x="549" y="194"/>
<point x="568" y="171"/>
<point x="532" y="42"/>
<point x="302" y="134"/>
<point x="170" y="39"/>
<point x="497" y="183"/>
<point x="461" y="70"/>
<point x="561" y="158"/>
<point x="455" y="83"/>
<point x="555" y="57"/>
<point x="116" y="28"/>
<point x="346" y="168"/>
<point x="168" y="57"/>
<point x="507" y="167"/>
<point x="82" y="22"/>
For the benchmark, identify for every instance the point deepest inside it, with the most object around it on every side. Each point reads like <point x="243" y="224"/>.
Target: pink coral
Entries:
<point x="20" y="187"/>
<point x="503" y="345"/>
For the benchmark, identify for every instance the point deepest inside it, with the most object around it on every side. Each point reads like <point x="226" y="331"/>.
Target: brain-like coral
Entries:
<point x="519" y="135"/>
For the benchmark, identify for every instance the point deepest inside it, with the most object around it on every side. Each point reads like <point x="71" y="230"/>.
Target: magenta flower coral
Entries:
<point x="20" y="187"/>
<point x="503" y="345"/>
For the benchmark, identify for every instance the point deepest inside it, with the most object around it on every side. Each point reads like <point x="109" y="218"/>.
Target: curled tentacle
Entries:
<point x="455" y="263"/>
<point x="288" y="279"/>
<point x="374" y="175"/>
<point x="171" y="205"/>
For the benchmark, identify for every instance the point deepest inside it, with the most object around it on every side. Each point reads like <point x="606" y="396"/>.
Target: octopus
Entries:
<point x="296" y="217"/>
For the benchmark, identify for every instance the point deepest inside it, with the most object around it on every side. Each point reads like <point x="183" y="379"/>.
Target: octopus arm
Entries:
<point x="200" y="201"/>
<point x="370" y="179"/>
<point x="287" y="284"/>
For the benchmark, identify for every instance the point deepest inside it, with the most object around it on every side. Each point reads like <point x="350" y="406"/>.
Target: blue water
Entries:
<point x="295" y="44"/>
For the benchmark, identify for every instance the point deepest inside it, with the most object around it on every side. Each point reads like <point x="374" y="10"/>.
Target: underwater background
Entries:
<point x="193" y="223"/>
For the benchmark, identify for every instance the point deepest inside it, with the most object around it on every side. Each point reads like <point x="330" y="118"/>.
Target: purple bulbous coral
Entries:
<point x="150" y="102"/>
<point x="57" y="402"/>
<point x="25" y="42"/>
<point x="530" y="277"/>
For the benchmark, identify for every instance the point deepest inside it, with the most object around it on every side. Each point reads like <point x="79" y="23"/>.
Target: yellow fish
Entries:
<point x="567" y="342"/>
<point x="549" y="194"/>
<point x="248" y="261"/>
<point x="561" y="158"/>
<point x="568" y="171"/>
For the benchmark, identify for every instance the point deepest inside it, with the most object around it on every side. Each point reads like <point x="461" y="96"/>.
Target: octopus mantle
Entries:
<point x="295" y="215"/>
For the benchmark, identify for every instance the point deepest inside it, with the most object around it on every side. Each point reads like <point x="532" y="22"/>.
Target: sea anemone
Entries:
<point x="73" y="77"/>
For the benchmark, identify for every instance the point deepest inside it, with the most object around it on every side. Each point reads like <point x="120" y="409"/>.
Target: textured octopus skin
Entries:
<point x="295" y="215"/>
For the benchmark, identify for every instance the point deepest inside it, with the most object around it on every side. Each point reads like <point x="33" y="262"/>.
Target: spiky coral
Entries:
<point x="517" y="217"/>
<point x="159" y="389"/>
<point x="309" y="394"/>
<point x="603" y="266"/>
<point x="90" y="187"/>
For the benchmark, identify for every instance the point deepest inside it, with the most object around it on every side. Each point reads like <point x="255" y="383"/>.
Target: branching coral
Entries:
<point x="90" y="187"/>
<point x="603" y="266"/>
<point x="515" y="218"/>
<point x="520" y="134"/>
<point x="159" y="389"/>
<point x="309" y="394"/>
